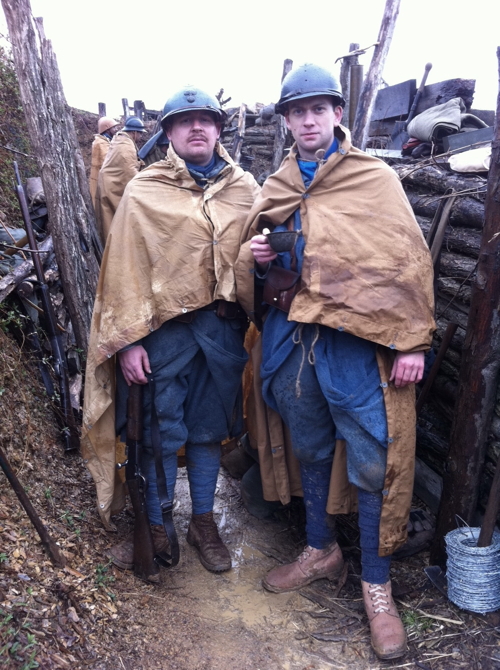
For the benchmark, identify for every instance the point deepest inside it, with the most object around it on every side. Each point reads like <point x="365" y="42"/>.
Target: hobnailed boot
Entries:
<point x="387" y="630"/>
<point x="312" y="564"/>
<point x="204" y="536"/>
<point x="122" y="554"/>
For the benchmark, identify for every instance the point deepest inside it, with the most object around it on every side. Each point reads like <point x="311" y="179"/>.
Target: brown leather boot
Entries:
<point x="204" y="536"/>
<point x="387" y="630"/>
<point x="312" y="564"/>
<point x="122" y="554"/>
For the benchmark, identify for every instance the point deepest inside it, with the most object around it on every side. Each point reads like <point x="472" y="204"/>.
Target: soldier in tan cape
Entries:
<point x="107" y="129"/>
<point x="166" y="305"/>
<point x="350" y="317"/>
<point x="120" y="166"/>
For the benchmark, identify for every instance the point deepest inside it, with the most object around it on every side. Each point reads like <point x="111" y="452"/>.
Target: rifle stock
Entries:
<point x="145" y="566"/>
<point x="67" y="421"/>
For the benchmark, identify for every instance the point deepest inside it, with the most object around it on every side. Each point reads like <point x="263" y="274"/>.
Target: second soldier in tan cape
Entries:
<point x="120" y="166"/>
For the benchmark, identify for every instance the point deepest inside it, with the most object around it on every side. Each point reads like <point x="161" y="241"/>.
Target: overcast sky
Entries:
<point x="109" y="49"/>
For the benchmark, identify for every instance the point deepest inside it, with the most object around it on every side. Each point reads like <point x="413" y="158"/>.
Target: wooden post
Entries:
<point x="126" y="110"/>
<point x="345" y="83"/>
<point x="371" y="84"/>
<point x="355" y="87"/>
<point x="479" y="370"/>
<point x="139" y="109"/>
<point x="235" y="152"/>
<point x="53" y="138"/>
<point x="281" y="129"/>
<point x="102" y="109"/>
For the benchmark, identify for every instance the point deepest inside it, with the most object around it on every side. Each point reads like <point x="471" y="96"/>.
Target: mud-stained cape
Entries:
<point x="171" y="249"/>
<point x="366" y="270"/>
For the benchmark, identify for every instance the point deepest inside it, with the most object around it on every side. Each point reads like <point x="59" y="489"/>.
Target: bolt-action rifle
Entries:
<point x="67" y="420"/>
<point x="145" y="566"/>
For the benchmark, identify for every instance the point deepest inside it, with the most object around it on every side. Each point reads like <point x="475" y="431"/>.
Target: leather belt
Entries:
<point x="223" y="308"/>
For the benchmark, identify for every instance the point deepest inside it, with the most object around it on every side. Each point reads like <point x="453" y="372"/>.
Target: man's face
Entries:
<point x="113" y="130"/>
<point x="194" y="135"/>
<point x="311" y="122"/>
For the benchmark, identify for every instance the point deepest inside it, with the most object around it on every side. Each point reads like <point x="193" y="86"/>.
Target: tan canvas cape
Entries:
<point x="171" y="250"/>
<point x="120" y="166"/>
<point x="366" y="270"/>
<point x="100" y="148"/>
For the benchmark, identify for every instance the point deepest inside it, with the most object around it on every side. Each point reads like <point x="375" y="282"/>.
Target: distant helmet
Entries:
<point x="191" y="98"/>
<point x="134" y="124"/>
<point x="305" y="82"/>
<point x="105" y="123"/>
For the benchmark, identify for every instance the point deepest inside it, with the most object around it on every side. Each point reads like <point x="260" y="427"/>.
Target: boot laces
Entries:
<point x="304" y="555"/>
<point x="379" y="598"/>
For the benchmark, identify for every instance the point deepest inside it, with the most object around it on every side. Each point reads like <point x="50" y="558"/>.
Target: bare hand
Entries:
<point x="407" y="369"/>
<point x="261" y="250"/>
<point x="134" y="362"/>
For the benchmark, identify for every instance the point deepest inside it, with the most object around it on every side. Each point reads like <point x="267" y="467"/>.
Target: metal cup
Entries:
<point x="283" y="240"/>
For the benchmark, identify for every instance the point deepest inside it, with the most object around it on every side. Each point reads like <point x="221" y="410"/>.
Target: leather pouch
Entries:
<point x="281" y="287"/>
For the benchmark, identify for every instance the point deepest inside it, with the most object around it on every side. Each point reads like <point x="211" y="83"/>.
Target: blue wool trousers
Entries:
<point x="197" y="370"/>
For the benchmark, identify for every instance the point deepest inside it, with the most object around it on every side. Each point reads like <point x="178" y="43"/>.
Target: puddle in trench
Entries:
<point x="242" y="595"/>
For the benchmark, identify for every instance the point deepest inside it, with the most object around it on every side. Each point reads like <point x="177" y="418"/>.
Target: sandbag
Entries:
<point x="475" y="160"/>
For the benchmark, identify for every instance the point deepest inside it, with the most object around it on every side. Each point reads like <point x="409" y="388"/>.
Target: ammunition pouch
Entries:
<point x="280" y="287"/>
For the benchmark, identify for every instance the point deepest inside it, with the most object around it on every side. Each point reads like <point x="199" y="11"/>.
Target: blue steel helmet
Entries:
<point x="305" y="82"/>
<point x="191" y="98"/>
<point x="132" y="124"/>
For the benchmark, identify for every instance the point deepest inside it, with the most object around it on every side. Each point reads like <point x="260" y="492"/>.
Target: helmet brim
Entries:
<point x="220" y="113"/>
<point x="282" y="105"/>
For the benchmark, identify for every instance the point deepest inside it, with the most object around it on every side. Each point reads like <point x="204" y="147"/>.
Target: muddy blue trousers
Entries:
<point x="326" y="386"/>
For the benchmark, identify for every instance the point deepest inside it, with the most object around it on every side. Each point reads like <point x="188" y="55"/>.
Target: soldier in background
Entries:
<point x="120" y="165"/>
<point x="106" y="128"/>
<point x="155" y="149"/>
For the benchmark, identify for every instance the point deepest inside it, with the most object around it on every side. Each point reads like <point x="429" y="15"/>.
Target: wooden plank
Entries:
<point x="345" y="82"/>
<point x="437" y="94"/>
<point x="394" y="101"/>
<point x="428" y="485"/>
<point x="468" y="140"/>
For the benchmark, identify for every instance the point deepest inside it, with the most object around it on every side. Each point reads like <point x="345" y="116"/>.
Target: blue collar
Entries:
<point x="202" y="173"/>
<point x="308" y="168"/>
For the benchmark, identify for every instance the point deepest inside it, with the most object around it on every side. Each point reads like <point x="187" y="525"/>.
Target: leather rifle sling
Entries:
<point x="161" y="482"/>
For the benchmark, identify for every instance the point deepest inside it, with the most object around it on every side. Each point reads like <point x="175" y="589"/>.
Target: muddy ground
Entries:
<point x="90" y="615"/>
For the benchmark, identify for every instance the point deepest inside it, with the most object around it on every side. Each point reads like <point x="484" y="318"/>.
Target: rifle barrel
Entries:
<point x="70" y="432"/>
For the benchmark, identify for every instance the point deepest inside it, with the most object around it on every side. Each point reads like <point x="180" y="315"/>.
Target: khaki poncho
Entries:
<point x="367" y="270"/>
<point x="171" y="249"/>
